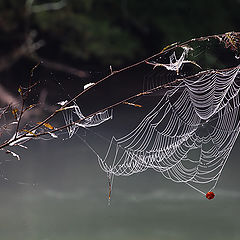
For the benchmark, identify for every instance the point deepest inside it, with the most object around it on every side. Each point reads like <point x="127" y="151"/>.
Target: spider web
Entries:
<point x="200" y="114"/>
<point x="190" y="132"/>
<point x="73" y="113"/>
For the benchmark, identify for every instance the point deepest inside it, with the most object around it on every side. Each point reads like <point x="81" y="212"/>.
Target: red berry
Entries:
<point x="210" y="195"/>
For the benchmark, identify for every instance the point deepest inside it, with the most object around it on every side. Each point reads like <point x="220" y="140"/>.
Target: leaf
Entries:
<point x="20" y="90"/>
<point x="132" y="104"/>
<point x="25" y="130"/>
<point x="30" y="107"/>
<point x="47" y="125"/>
<point x="14" y="112"/>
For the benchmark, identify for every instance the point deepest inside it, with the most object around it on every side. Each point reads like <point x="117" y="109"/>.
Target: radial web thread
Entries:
<point x="187" y="136"/>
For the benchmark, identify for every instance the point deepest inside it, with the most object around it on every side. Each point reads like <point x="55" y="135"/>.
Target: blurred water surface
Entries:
<point x="69" y="200"/>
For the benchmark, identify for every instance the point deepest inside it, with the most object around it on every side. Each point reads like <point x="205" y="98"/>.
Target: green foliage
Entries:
<point x="88" y="37"/>
<point x="113" y="32"/>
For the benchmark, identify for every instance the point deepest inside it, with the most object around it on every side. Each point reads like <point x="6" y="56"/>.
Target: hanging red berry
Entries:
<point x="210" y="195"/>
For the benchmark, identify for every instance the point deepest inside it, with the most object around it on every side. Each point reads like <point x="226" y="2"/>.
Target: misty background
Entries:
<point x="57" y="190"/>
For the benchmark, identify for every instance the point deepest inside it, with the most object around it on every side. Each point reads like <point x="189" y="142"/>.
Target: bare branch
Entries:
<point x="31" y="133"/>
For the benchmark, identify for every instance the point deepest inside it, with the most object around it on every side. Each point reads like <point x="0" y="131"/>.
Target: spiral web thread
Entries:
<point x="191" y="131"/>
<point x="187" y="136"/>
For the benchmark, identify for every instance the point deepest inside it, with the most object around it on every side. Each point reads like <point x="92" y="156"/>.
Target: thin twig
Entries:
<point x="164" y="51"/>
<point x="24" y="95"/>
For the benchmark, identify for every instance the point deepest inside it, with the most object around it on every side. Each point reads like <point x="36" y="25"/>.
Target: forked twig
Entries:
<point x="112" y="73"/>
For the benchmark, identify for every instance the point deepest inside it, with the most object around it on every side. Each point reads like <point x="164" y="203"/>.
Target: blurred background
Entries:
<point x="57" y="191"/>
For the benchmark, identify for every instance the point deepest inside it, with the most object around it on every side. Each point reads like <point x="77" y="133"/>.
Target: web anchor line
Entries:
<point x="190" y="132"/>
<point x="186" y="120"/>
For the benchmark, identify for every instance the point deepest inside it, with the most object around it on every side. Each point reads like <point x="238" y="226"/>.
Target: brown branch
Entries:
<point x="165" y="50"/>
<point x="165" y="86"/>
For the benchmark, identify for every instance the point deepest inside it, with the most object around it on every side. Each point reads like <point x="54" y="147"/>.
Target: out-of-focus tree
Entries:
<point x="103" y="32"/>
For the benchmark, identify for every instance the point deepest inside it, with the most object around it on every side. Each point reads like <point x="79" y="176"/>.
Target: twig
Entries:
<point x="24" y="95"/>
<point x="165" y="50"/>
